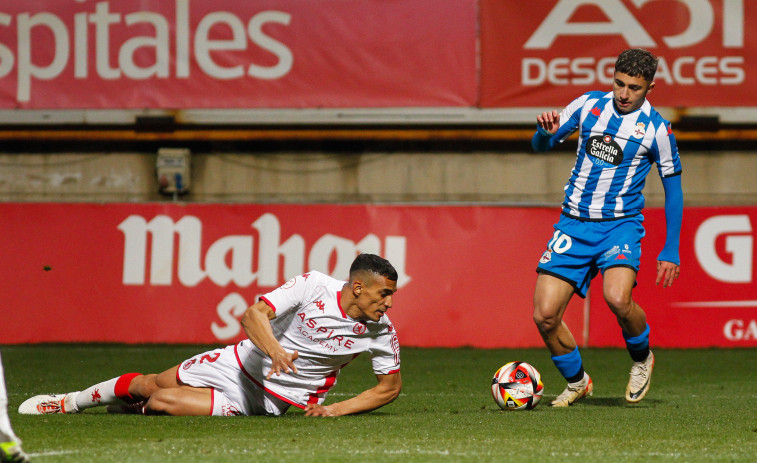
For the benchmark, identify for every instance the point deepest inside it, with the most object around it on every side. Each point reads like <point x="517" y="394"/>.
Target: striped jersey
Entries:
<point x="615" y="153"/>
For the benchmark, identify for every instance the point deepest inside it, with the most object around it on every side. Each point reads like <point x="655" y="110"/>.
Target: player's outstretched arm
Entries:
<point x="668" y="262"/>
<point x="387" y="389"/>
<point x="256" y="323"/>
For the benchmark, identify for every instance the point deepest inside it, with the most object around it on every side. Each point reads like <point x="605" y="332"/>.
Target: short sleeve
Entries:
<point x="385" y="352"/>
<point x="291" y="295"/>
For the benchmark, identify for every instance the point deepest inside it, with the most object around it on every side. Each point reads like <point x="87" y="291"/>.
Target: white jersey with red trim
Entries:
<point x="310" y="320"/>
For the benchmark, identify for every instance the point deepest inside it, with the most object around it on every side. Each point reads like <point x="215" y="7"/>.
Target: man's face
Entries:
<point x="374" y="297"/>
<point x="629" y="92"/>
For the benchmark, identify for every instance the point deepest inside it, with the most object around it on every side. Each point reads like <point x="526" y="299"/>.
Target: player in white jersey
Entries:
<point x="300" y="337"/>
<point x="10" y="444"/>
<point x="620" y="137"/>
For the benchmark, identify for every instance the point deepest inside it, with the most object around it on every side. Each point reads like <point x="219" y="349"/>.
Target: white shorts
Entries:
<point x="232" y="392"/>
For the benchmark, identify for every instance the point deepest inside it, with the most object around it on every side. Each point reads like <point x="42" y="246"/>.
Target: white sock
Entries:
<point x="580" y="383"/>
<point x="114" y="391"/>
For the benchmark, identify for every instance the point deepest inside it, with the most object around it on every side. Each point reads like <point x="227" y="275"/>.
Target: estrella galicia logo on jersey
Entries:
<point x="604" y="151"/>
<point x="596" y="111"/>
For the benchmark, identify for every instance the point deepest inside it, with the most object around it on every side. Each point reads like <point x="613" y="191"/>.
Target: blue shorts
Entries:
<point x="580" y="249"/>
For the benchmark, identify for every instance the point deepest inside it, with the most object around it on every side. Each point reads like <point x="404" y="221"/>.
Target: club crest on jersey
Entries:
<point x="359" y="328"/>
<point x="604" y="151"/>
<point x="639" y="131"/>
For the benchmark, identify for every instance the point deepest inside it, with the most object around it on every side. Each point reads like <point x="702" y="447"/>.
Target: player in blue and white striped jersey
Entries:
<point x="620" y="137"/>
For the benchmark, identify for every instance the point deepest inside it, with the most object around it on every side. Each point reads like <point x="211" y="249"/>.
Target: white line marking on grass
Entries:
<point x="53" y="453"/>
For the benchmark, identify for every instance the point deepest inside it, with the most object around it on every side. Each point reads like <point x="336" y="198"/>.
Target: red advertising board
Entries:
<point x="352" y="54"/>
<point x="231" y="54"/>
<point x="547" y="52"/>
<point x="714" y="302"/>
<point x="173" y="273"/>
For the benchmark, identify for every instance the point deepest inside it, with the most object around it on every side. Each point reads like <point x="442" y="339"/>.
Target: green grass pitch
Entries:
<point x="702" y="406"/>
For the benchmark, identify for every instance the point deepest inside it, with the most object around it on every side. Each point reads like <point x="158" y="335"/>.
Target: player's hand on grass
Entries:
<point x="549" y="121"/>
<point x="318" y="410"/>
<point x="667" y="272"/>
<point x="283" y="361"/>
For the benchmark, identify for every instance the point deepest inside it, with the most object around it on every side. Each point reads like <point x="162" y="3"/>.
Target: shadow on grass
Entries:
<point x="619" y="402"/>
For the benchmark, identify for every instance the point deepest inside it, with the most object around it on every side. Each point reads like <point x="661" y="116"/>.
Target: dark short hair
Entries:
<point x="374" y="264"/>
<point x="637" y="62"/>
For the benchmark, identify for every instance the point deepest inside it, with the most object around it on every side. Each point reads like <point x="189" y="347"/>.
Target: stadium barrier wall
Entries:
<point x="185" y="273"/>
<point x="295" y="54"/>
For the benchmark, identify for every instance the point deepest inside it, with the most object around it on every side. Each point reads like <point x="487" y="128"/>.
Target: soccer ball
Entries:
<point x="517" y="386"/>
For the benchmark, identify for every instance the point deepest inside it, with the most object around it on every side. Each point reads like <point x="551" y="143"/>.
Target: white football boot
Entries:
<point x="641" y="375"/>
<point x="49" y="404"/>
<point x="11" y="452"/>
<point x="573" y="392"/>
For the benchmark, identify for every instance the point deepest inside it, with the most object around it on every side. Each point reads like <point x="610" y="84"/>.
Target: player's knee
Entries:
<point x="160" y="403"/>
<point x="143" y="386"/>
<point x="620" y="302"/>
<point x="546" y="321"/>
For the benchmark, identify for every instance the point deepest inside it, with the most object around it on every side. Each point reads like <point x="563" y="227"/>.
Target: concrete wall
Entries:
<point x="710" y="178"/>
